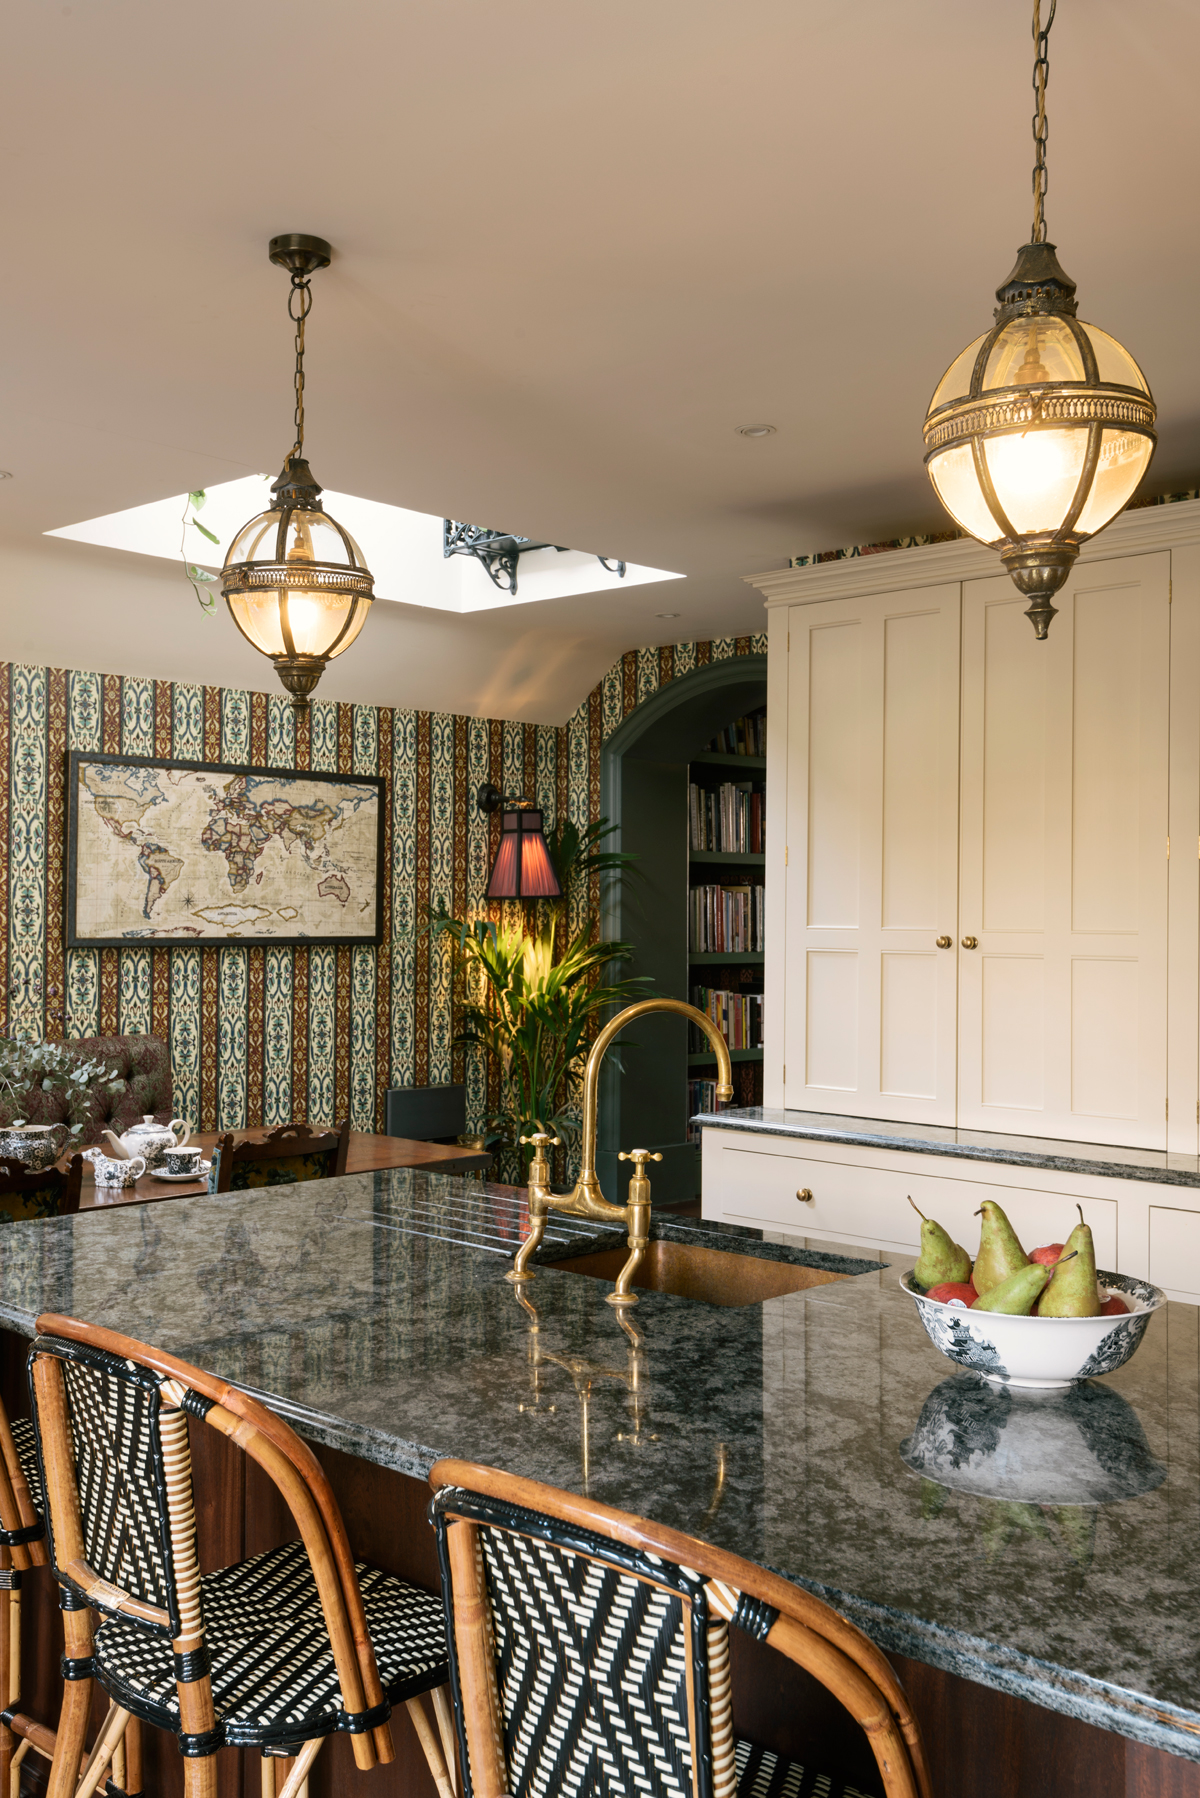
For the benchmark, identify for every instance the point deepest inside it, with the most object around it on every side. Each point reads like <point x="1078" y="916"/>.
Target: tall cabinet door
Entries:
<point x="1062" y="1003"/>
<point x="871" y="879"/>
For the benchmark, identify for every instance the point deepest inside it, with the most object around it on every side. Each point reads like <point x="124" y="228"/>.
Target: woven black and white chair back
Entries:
<point x="130" y="1547"/>
<point x="611" y="1666"/>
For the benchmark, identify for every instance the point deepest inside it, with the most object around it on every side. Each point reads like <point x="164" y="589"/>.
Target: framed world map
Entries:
<point x="165" y="852"/>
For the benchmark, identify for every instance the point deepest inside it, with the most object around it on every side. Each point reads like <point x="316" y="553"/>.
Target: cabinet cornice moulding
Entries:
<point x="1132" y="534"/>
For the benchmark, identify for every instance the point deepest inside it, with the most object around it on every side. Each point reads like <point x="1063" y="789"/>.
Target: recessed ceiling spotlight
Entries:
<point x="666" y="614"/>
<point x="5" y="474"/>
<point x="756" y="430"/>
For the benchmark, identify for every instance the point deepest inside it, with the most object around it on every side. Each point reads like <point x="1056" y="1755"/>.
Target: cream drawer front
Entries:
<point x="1175" y="1251"/>
<point x="870" y="1204"/>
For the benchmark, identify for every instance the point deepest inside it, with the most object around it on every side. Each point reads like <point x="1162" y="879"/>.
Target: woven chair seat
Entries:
<point x="273" y="1677"/>
<point x="761" y="1774"/>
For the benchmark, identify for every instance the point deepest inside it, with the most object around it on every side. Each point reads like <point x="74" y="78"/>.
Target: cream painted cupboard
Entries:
<point x="983" y="855"/>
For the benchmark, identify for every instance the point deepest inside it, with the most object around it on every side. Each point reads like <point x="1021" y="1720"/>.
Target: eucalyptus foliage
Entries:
<point x="54" y="1067"/>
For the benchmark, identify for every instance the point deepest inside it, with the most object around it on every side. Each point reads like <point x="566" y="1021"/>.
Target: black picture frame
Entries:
<point x="76" y="757"/>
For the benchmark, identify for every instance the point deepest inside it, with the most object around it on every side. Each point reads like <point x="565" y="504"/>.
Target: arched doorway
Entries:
<point x="644" y="792"/>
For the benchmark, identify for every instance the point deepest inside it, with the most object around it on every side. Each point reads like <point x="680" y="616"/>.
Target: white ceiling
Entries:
<point x="576" y="247"/>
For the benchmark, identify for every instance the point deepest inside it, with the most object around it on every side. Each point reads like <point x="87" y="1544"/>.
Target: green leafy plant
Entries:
<point x="532" y="994"/>
<point x="197" y="576"/>
<point x="532" y="1010"/>
<point x="55" y="1068"/>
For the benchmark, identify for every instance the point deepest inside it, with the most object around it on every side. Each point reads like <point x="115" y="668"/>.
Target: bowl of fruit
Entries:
<point x="1040" y="1320"/>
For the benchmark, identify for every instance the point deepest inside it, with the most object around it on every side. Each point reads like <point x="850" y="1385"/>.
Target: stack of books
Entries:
<point x="725" y="920"/>
<point x="728" y="818"/>
<point x="745" y="736"/>
<point x="738" y="1016"/>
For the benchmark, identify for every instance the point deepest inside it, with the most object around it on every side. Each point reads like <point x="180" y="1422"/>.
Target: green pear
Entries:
<point x="941" y="1260"/>
<point x="1000" y="1254"/>
<point x="1017" y="1295"/>
<point x="1072" y="1290"/>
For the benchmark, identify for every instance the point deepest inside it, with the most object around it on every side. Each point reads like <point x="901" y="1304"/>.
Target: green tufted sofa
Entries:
<point x="141" y="1069"/>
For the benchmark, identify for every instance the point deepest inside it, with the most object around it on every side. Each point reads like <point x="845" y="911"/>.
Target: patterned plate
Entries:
<point x="201" y="1173"/>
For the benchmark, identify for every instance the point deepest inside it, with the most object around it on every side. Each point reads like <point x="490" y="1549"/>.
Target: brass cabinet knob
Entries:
<point x="945" y="942"/>
<point x="805" y="1195"/>
<point x="970" y="942"/>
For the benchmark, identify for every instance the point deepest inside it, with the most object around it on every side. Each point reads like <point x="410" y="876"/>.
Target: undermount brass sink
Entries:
<point x="715" y="1276"/>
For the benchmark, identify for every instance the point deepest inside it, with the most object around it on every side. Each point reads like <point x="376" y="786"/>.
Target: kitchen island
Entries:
<point x="1049" y="1638"/>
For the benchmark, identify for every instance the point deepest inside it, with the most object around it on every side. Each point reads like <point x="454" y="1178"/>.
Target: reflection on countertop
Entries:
<point x="374" y="1313"/>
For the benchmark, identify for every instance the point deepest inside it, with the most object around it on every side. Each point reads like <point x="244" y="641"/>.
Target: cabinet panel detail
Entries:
<point x="1105" y="762"/>
<point x="833" y="1019"/>
<point x="1012" y="716"/>
<point x="834" y="775"/>
<point x="1104" y="1037"/>
<point x="908" y="1025"/>
<point x="1175" y="1249"/>
<point x="910" y="774"/>
<point x="1013" y="1048"/>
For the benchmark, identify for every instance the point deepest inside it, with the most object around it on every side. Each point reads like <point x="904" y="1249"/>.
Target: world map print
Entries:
<point x="186" y="854"/>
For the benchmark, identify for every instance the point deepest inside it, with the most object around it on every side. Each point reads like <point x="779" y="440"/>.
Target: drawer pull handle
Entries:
<point x="970" y="942"/>
<point x="805" y="1195"/>
<point x="945" y="942"/>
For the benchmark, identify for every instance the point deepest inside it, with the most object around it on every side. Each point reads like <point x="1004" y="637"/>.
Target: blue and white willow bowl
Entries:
<point x="1039" y="1351"/>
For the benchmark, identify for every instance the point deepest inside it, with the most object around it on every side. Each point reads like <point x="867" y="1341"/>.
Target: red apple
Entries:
<point x="1048" y="1255"/>
<point x="950" y="1290"/>
<point x="1113" y="1307"/>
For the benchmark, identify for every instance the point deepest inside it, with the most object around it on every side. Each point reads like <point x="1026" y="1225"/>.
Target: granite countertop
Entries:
<point x="967" y="1145"/>
<point x="373" y="1312"/>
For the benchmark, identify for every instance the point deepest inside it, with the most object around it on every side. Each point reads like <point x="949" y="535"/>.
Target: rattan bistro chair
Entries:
<point x="293" y="1152"/>
<point x="276" y="1652"/>
<point x="589" y="1653"/>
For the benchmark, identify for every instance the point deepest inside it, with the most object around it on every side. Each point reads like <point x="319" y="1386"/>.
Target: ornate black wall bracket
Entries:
<point x="500" y="551"/>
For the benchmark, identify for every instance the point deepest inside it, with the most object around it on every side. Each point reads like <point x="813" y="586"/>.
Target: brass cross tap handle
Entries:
<point x="539" y="1195"/>
<point x="637" y="1210"/>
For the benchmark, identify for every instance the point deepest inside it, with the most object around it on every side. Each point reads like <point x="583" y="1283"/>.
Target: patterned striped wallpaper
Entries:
<point x="264" y="1035"/>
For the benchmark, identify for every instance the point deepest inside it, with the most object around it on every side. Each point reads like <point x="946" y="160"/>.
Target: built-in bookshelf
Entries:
<point x="726" y="839"/>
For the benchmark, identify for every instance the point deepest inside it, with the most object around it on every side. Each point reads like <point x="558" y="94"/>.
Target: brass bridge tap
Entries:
<point x="586" y="1199"/>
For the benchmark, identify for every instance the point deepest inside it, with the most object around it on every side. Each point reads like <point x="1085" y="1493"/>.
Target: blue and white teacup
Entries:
<point x="179" y="1161"/>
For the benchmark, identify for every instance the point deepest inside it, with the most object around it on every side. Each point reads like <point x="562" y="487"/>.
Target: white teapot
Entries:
<point x="149" y="1139"/>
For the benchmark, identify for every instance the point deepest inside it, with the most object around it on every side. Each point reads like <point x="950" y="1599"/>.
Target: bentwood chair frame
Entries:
<point x="647" y="1604"/>
<point x="288" y="1143"/>
<point x="22" y="1546"/>
<point x="85" y="1376"/>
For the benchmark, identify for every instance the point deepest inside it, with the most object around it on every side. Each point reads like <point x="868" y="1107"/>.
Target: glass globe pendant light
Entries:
<point x="1040" y="431"/>
<point x="294" y="579"/>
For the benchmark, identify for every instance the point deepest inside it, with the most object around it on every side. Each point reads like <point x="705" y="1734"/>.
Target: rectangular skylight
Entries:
<point x="402" y="549"/>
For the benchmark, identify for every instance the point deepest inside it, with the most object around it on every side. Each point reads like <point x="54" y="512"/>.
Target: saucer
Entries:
<point x="201" y="1171"/>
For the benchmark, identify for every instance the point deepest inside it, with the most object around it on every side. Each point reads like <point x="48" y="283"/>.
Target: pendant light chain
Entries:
<point x="301" y="287"/>
<point x="1041" y="75"/>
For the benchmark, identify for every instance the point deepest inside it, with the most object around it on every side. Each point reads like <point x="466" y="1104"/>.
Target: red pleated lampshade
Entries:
<point x="522" y="868"/>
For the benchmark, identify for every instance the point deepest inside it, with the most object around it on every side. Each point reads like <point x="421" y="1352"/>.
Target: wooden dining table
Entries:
<point x="368" y="1151"/>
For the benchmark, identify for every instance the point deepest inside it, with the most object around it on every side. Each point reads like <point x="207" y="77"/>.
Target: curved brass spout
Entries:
<point x="587" y="1187"/>
<point x="586" y="1198"/>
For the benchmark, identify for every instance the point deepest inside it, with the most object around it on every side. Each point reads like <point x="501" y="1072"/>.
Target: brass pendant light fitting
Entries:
<point x="305" y="600"/>
<point x="1040" y="431"/>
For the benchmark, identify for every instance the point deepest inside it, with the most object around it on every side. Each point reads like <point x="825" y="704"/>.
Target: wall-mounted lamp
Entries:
<point x="522" y="868"/>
